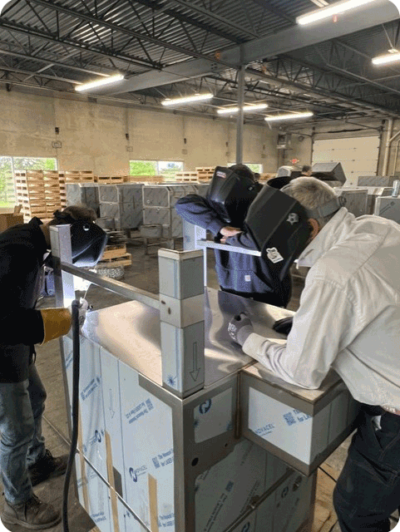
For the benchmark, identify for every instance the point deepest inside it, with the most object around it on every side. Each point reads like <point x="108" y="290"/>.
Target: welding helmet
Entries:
<point x="278" y="225"/>
<point x="88" y="240"/>
<point x="230" y="194"/>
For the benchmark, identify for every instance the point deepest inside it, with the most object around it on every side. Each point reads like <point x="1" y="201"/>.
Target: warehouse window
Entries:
<point x="148" y="168"/>
<point x="9" y="165"/>
<point x="143" y="167"/>
<point x="34" y="163"/>
<point x="7" y="195"/>
<point x="169" y="168"/>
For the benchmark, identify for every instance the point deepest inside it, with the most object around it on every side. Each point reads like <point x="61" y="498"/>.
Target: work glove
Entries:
<point x="240" y="328"/>
<point x="283" y="326"/>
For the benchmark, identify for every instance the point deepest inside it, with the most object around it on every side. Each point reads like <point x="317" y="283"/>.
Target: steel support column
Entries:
<point x="240" y="117"/>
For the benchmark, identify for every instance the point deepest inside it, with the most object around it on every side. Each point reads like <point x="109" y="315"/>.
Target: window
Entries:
<point x="7" y="195"/>
<point x="167" y="169"/>
<point x="34" y="163"/>
<point x="9" y="165"/>
<point x="143" y="167"/>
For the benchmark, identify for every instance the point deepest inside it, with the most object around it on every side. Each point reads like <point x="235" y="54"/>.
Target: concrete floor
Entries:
<point x="143" y="274"/>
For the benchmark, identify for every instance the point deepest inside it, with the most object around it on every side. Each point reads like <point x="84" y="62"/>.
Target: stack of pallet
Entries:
<point x="115" y="255"/>
<point x="144" y="179"/>
<point x="107" y="180"/>
<point x="205" y="173"/>
<point x="79" y="176"/>
<point x="39" y="194"/>
<point x="186" y="177"/>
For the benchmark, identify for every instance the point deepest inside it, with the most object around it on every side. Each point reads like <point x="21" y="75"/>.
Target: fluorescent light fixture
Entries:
<point x="391" y="57"/>
<point x="99" y="83"/>
<point x="335" y="9"/>
<point x="246" y="109"/>
<point x="189" y="99"/>
<point x="291" y="116"/>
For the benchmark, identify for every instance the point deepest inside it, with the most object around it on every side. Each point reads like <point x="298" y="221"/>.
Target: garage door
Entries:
<point x="359" y="156"/>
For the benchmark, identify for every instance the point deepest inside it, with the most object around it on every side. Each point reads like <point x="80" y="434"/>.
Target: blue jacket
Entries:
<point x="244" y="275"/>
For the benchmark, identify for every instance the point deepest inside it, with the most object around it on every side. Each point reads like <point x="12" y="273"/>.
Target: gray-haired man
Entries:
<point x="348" y="320"/>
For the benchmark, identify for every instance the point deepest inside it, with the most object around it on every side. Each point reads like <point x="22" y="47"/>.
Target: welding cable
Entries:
<point x="75" y="410"/>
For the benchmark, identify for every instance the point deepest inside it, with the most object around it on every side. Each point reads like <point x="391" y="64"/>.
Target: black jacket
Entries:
<point x="244" y="275"/>
<point x="22" y="249"/>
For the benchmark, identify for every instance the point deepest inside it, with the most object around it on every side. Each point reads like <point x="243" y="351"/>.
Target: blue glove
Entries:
<point x="240" y="328"/>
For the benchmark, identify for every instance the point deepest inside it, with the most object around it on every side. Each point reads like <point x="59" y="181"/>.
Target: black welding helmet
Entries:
<point x="88" y="240"/>
<point x="230" y="194"/>
<point x="278" y="225"/>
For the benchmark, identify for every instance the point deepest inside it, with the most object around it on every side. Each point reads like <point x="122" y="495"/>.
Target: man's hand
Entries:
<point x="240" y="328"/>
<point x="228" y="231"/>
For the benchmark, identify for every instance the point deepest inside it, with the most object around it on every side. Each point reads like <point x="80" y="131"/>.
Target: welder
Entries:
<point x="348" y="321"/>
<point x="24" y="459"/>
<point x="222" y="212"/>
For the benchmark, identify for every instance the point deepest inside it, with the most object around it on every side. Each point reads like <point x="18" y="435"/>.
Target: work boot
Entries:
<point x="32" y="515"/>
<point x="47" y="467"/>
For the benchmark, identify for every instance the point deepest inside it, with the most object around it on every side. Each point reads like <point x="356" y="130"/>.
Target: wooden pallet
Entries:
<point x="205" y="169"/>
<point x="125" y="260"/>
<point x="144" y="179"/>
<point x="107" y="180"/>
<point x="186" y="177"/>
<point x="114" y="251"/>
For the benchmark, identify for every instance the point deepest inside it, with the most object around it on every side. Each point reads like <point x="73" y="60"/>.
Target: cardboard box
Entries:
<point x="9" y="218"/>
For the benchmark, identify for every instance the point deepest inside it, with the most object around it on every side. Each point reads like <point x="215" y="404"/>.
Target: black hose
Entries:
<point x="75" y="410"/>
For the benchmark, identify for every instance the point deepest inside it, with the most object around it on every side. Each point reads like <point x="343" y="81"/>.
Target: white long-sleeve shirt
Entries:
<point x="349" y="314"/>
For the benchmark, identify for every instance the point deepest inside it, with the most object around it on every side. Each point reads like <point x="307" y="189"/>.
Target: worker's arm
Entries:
<point x="197" y="211"/>
<point x="323" y="326"/>
<point x="18" y="325"/>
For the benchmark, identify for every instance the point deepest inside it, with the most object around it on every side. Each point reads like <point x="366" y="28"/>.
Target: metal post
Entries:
<point x="240" y="118"/>
<point x="182" y="320"/>
<point x="191" y="235"/>
<point x="60" y="238"/>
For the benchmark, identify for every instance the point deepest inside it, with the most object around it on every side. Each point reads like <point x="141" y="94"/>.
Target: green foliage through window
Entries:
<point x="10" y="164"/>
<point x="147" y="168"/>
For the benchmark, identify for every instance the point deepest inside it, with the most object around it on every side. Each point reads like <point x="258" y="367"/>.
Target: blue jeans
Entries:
<point x="22" y="443"/>
<point x="368" y="489"/>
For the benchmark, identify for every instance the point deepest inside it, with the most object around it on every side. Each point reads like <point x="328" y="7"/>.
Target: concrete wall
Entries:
<point x="93" y="135"/>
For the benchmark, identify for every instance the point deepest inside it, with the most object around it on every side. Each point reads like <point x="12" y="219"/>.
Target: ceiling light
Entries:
<point x="246" y="109"/>
<point x="291" y="116"/>
<point x="189" y="99"/>
<point x="99" y="83"/>
<point x="335" y="9"/>
<point x="392" y="57"/>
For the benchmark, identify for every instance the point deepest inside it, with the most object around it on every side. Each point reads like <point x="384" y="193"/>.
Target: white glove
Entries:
<point x="240" y="328"/>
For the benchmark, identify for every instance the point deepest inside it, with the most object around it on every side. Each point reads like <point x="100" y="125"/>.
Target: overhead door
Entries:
<point x="358" y="155"/>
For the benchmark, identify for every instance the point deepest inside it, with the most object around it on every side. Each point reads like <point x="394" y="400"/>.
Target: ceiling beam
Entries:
<point x="214" y="16"/>
<point x="275" y="10"/>
<point x="48" y="62"/>
<point x="177" y="15"/>
<point x="71" y="43"/>
<point x="294" y="38"/>
<point x="121" y="29"/>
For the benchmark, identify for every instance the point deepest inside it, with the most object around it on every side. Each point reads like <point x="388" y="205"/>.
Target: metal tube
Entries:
<point x="231" y="249"/>
<point x="240" y="117"/>
<point x="396" y="157"/>
<point x="387" y="147"/>
<point x="122" y="289"/>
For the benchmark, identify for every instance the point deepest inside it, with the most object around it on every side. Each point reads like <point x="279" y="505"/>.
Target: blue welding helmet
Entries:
<point x="231" y="193"/>
<point x="88" y="240"/>
<point x="278" y="225"/>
